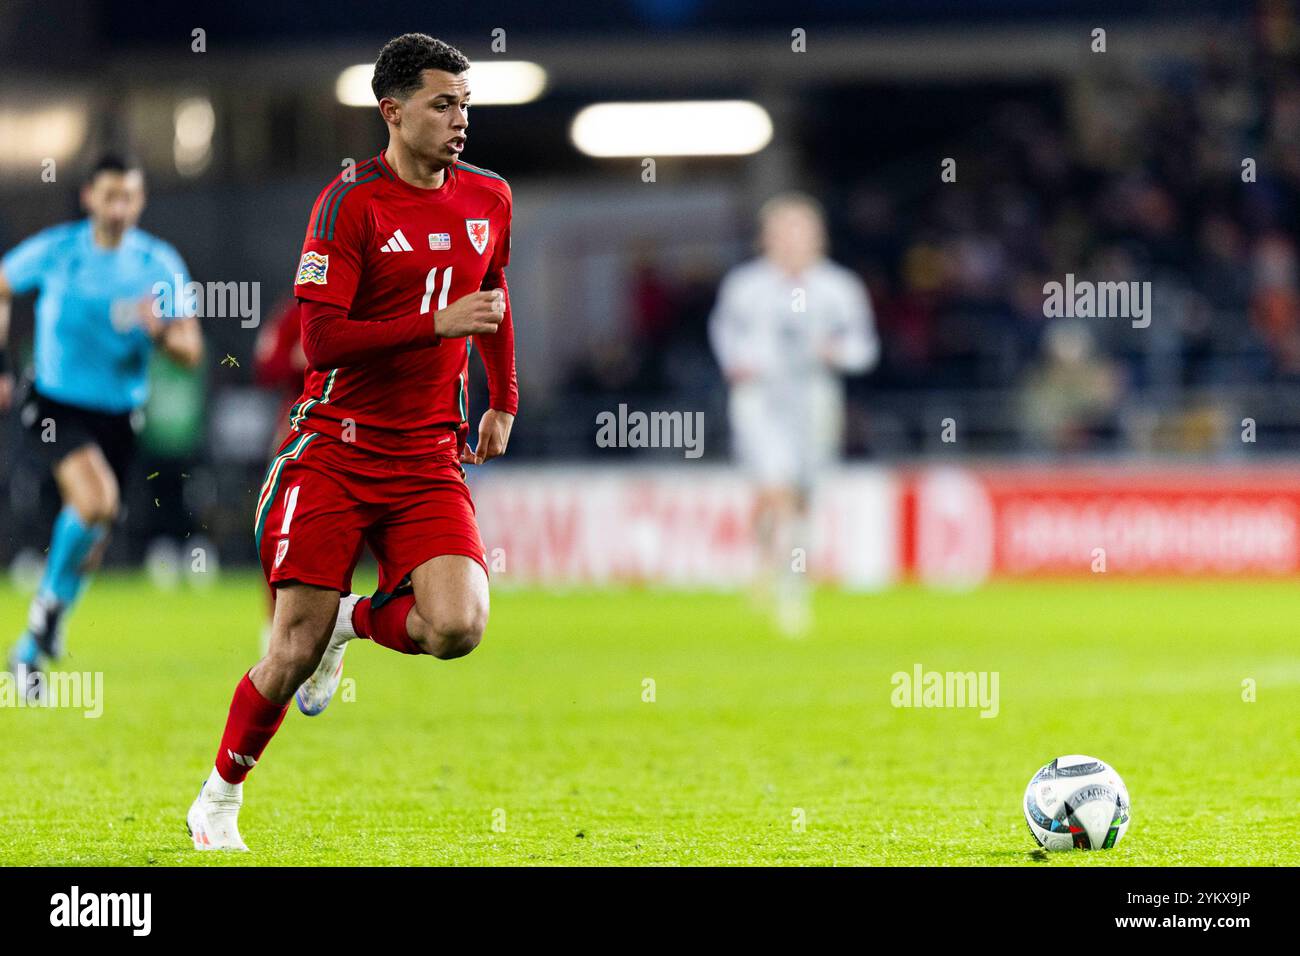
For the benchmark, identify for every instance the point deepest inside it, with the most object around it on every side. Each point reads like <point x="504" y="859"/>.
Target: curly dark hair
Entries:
<point x="404" y="58"/>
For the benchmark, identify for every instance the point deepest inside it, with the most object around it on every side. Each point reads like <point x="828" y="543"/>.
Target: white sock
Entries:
<point x="218" y="788"/>
<point x="343" y="629"/>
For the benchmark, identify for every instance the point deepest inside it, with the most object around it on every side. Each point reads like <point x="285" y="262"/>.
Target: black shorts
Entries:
<point x="55" y="430"/>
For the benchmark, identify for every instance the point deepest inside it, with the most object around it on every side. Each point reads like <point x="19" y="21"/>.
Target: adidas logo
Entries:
<point x="397" y="243"/>
<point x="242" y="759"/>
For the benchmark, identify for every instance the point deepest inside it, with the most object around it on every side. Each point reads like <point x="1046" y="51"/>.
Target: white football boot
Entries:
<point x="213" y="820"/>
<point x="318" y="690"/>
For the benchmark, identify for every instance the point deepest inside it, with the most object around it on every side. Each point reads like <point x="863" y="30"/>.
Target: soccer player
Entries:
<point x="97" y="323"/>
<point x="401" y="273"/>
<point x="785" y="328"/>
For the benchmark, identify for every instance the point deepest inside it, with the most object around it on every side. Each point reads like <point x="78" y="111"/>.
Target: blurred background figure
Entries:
<point x="1070" y="391"/>
<point x="98" y="324"/>
<point x="785" y="328"/>
<point x="170" y="501"/>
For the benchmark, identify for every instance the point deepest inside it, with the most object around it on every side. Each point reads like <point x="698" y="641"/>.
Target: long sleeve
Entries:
<point x="498" y="349"/>
<point x="857" y="347"/>
<point x="731" y="331"/>
<point x="332" y="340"/>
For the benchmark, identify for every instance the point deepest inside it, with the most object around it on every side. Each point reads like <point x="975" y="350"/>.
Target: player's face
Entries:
<point x="435" y="118"/>
<point x="115" y="200"/>
<point x="793" y="235"/>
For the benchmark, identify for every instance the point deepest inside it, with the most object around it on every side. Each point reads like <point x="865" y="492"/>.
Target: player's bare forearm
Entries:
<point x="6" y="303"/>
<point x="6" y="300"/>
<point x="182" y="342"/>
<point x="6" y="376"/>
<point x="493" y="436"/>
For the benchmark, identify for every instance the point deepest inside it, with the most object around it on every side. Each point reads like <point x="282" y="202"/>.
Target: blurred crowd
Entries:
<point x="1187" y="177"/>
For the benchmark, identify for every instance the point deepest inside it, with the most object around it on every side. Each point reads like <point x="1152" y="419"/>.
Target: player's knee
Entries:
<point x="294" y="651"/>
<point x="457" y="645"/>
<point x="99" y="504"/>
<point x="88" y="504"/>
<point x="106" y="509"/>
<point x="458" y="633"/>
<point x="292" y="666"/>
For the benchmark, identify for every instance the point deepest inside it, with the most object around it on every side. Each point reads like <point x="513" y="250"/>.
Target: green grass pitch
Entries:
<point x="543" y="732"/>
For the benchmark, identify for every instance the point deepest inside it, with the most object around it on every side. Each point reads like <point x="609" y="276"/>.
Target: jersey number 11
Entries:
<point x="431" y="283"/>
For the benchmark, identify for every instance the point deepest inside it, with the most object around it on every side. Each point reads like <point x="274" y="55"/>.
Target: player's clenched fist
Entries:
<point x="478" y="313"/>
<point x="493" y="436"/>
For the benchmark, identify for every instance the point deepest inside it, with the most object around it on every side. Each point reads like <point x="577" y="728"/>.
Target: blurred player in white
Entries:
<point x="786" y="328"/>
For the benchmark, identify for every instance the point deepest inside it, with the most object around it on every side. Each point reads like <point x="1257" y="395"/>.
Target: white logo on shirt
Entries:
<point x="397" y="243"/>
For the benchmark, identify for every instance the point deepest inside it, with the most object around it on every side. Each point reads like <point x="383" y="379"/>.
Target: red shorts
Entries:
<point x="323" y="500"/>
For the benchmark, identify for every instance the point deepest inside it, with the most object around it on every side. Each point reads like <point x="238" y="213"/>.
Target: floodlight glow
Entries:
<point x="687" y="128"/>
<point x="195" y="122"/>
<point x="32" y="135"/>
<point x="491" y="83"/>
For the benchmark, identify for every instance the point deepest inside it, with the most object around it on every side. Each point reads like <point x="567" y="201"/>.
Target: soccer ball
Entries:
<point x="1077" y="802"/>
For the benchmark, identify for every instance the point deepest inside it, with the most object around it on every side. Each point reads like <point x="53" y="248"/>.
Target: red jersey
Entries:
<point x="391" y="254"/>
